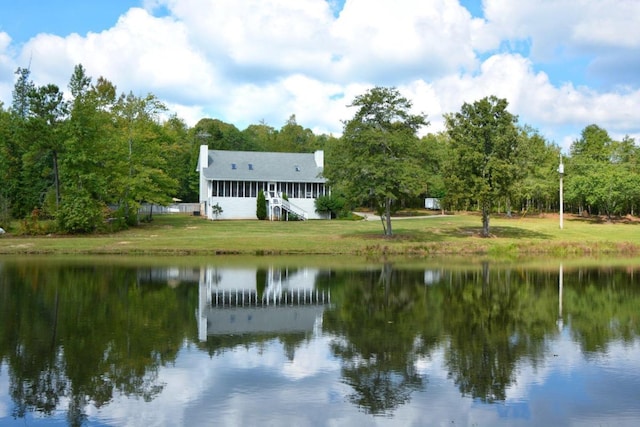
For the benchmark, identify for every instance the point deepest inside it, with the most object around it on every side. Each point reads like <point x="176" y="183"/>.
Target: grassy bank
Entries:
<point x="448" y="235"/>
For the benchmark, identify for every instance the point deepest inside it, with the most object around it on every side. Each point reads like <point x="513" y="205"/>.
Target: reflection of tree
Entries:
<point x="494" y="321"/>
<point x="602" y="305"/>
<point x="83" y="333"/>
<point x="376" y="320"/>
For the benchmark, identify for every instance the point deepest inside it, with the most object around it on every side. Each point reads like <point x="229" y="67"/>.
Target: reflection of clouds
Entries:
<point x="258" y="385"/>
<point x="199" y="388"/>
<point x="5" y="400"/>
<point x="184" y="382"/>
<point x="563" y="387"/>
<point x="311" y="358"/>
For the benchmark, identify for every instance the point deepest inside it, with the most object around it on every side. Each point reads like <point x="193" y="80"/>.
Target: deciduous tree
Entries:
<point x="484" y="143"/>
<point x="376" y="161"/>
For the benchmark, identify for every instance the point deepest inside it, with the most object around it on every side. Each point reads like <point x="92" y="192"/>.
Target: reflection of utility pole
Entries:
<point x="561" y="172"/>
<point x="560" y="274"/>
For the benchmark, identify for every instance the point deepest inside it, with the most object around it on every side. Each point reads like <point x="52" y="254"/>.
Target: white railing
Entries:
<point x="278" y="201"/>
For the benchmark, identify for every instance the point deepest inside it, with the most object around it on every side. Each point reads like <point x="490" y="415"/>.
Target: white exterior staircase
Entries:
<point x="279" y="207"/>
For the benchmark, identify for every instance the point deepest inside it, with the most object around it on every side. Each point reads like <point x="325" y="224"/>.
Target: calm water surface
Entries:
<point x="103" y="342"/>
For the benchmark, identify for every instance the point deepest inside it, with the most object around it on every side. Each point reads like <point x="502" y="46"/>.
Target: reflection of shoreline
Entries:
<point x="250" y="301"/>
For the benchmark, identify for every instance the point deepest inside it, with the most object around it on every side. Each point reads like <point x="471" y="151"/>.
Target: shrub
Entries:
<point x="80" y="214"/>
<point x="261" y="207"/>
<point x="330" y="204"/>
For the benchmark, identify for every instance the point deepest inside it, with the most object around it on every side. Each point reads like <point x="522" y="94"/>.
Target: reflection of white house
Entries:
<point x="233" y="179"/>
<point x="232" y="302"/>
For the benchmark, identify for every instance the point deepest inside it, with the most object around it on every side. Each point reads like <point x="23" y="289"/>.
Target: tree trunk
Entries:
<point x="485" y="219"/>
<point x="387" y="213"/>
<point x="56" y="178"/>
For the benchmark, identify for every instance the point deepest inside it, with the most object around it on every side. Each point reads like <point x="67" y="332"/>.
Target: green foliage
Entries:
<point x="34" y="225"/>
<point x="121" y="150"/>
<point x="535" y="187"/>
<point x="79" y="213"/>
<point x="594" y="144"/>
<point x="484" y="147"/>
<point x="293" y="138"/>
<point x="432" y="151"/>
<point x="261" y="206"/>
<point x="602" y="174"/>
<point x="330" y="204"/>
<point x="375" y="162"/>
<point x="216" y="210"/>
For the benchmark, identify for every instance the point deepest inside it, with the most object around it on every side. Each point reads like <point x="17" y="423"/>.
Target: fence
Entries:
<point x="184" y="208"/>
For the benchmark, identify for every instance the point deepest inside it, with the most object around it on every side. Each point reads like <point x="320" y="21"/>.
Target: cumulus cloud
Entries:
<point x="603" y="33"/>
<point x="252" y="60"/>
<point x="7" y="68"/>
<point x="141" y="53"/>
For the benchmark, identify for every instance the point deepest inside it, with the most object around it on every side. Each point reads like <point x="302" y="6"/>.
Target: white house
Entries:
<point x="232" y="180"/>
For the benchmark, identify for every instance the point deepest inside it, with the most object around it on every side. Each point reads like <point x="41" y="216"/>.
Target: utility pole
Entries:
<point x="561" y="172"/>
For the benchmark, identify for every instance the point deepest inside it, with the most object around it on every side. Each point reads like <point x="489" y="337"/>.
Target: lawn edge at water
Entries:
<point x="449" y="235"/>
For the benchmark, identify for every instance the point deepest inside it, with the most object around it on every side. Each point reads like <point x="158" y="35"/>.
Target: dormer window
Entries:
<point x="234" y="166"/>
<point x="250" y="166"/>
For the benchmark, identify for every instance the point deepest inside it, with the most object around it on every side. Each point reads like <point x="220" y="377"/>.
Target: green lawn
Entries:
<point x="454" y="234"/>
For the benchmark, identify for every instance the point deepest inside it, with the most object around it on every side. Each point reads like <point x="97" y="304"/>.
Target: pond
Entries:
<point x="224" y="341"/>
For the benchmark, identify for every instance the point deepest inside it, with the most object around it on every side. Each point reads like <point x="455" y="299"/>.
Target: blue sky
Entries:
<point x="561" y="64"/>
<point x="24" y="19"/>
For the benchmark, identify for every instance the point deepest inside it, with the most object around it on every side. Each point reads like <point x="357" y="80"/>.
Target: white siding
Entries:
<point x="245" y="207"/>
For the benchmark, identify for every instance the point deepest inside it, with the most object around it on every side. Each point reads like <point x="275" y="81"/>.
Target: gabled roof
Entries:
<point x="263" y="166"/>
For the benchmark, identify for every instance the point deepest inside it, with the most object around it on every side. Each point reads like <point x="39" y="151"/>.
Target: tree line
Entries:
<point x="85" y="160"/>
<point x="484" y="161"/>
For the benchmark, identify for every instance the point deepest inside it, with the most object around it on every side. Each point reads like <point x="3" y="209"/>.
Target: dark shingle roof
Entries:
<point x="262" y="166"/>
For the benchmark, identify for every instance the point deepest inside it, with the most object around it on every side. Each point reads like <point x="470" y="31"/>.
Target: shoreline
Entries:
<point x="433" y="236"/>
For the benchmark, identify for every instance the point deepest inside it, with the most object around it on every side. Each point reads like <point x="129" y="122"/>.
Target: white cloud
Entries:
<point x="558" y="26"/>
<point x="140" y="53"/>
<point x="391" y="41"/>
<point x="7" y="68"/>
<point x="245" y="61"/>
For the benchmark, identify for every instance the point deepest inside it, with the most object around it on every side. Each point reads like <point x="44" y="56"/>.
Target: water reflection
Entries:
<point x="95" y="343"/>
<point x="255" y="301"/>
